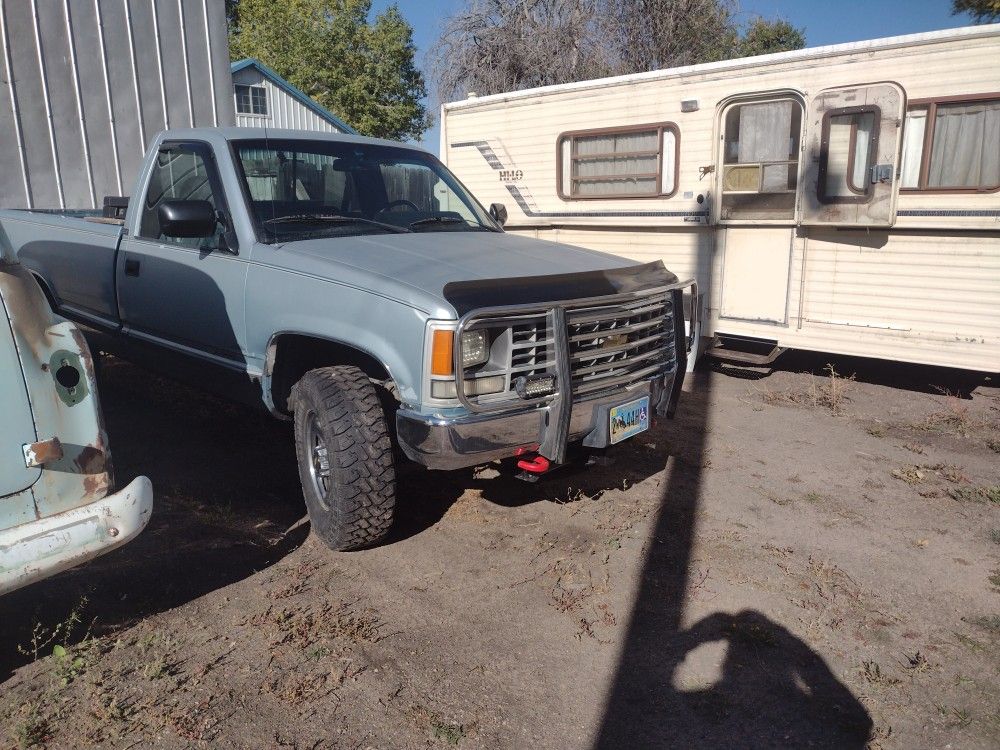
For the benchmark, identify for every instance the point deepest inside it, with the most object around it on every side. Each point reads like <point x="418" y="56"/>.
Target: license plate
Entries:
<point x="629" y="419"/>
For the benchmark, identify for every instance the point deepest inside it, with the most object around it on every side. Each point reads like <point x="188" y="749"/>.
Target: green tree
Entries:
<point x="982" y="11"/>
<point x="361" y="70"/>
<point x="763" y="37"/>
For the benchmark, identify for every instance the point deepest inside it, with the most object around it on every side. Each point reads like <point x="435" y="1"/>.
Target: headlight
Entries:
<point x="475" y="348"/>
<point x="473" y="387"/>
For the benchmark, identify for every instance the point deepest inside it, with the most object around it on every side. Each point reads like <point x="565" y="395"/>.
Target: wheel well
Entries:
<point x="290" y="356"/>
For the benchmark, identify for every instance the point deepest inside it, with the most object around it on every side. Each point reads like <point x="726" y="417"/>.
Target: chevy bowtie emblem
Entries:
<point x="613" y="342"/>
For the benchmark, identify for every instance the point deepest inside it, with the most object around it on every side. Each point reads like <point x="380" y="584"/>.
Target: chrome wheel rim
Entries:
<point x="319" y="460"/>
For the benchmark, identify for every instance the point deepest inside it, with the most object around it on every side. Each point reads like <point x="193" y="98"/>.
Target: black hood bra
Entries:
<point x="466" y="296"/>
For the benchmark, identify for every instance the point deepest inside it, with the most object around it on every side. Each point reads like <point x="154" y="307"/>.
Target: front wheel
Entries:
<point x="345" y="457"/>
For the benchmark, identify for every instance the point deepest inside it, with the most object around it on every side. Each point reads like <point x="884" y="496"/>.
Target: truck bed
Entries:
<point x="79" y="254"/>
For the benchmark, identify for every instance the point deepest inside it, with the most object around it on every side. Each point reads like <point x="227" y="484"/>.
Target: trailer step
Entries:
<point x="737" y="356"/>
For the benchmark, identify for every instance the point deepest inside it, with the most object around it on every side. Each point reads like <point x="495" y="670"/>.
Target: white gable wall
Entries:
<point x="283" y="109"/>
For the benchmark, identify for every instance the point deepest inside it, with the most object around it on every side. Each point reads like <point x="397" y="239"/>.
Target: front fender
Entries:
<point x="389" y="331"/>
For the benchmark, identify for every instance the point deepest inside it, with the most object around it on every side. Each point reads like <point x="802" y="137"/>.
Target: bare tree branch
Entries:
<point x="503" y="45"/>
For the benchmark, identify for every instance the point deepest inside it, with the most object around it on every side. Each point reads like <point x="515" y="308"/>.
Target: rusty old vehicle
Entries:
<point x="355" y="287"/>
<point x="57" y="508"/>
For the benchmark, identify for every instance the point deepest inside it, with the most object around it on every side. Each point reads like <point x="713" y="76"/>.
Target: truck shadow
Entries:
<point x="227" y="497"/>
<point x="228" y="503"/>
<point x="425" y="496"/>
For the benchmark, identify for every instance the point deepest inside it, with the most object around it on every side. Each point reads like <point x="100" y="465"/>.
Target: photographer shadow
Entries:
<point x="772" y="691"/>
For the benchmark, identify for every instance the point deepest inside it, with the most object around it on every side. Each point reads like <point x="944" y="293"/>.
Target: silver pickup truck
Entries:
<point x="356" y="287"/>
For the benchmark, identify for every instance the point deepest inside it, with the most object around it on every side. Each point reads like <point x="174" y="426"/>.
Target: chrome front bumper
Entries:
<point x="445" y="442"/>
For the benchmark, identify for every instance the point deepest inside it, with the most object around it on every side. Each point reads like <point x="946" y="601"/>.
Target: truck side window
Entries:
<point x="178" y="174"/>
<point x="761" y="159"/>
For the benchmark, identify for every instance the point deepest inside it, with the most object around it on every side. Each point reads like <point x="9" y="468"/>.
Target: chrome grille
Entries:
<point x="617" y="344"/>
<point x="532" y="348"/>
<point x="609" y="345"/>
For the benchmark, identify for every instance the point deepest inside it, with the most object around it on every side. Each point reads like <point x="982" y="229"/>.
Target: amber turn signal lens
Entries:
<point x="442" y="353"/>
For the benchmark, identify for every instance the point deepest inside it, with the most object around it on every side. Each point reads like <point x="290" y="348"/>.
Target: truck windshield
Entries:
<point x="303" y="189"/>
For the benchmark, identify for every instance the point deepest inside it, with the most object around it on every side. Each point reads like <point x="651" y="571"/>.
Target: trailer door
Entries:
<point x="850" y="162"/>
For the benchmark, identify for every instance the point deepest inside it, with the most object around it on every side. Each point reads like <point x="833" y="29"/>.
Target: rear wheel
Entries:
<point x="344" y="456"/>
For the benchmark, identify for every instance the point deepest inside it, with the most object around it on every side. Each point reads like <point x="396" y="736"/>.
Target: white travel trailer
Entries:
<point x="842" y="199"/>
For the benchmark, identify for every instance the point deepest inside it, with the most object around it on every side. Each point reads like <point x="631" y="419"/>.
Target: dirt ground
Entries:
<point x="797" y="560"/>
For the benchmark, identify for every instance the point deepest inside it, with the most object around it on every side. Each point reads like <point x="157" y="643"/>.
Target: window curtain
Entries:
<point x="838" y="156"/>
<point x="966" y="148"/>
<point x="913" y="147"/>
<point x="764" y="136"/>
<point x="862" y="142"/>
<point x="615" y="157"/>
<point x="669" y="165"/>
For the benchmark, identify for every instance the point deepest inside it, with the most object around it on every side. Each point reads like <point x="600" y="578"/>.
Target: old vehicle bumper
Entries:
<point x="446" y="442"/>
<point x="42" y="548"/>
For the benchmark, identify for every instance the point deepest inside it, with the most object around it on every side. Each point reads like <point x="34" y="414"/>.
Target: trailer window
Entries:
<point x="847" y="150"/>
<point x="952" y="145"/>
<point x="761" y="160"/>
<point x="632" y="162"/>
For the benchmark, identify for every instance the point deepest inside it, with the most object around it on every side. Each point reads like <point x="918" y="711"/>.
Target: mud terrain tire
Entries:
<point x="345" y="457"/>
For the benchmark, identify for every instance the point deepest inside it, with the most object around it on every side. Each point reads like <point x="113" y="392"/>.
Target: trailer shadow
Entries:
<point x="901" y="375"/>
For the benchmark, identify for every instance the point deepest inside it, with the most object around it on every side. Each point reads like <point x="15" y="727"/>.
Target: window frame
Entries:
<point x="860" y="196"/>
<point x="205" y="151"/>
<point x="721" y="213"/>
<point x="931" y="104"/>
<point x="660" y="127"/>
<point x="250" y="90"/>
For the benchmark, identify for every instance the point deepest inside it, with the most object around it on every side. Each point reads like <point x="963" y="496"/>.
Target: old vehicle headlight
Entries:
<point x="475" y="348"/>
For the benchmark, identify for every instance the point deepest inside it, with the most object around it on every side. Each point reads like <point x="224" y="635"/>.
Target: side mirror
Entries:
<point x="499" y="213"/>
<point x="186" y="218"/>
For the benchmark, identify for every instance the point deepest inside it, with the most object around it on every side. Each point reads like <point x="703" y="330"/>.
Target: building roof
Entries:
<point x="292" y="91"/>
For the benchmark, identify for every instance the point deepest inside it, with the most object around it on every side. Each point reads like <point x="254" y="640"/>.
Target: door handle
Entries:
<point x="131" y="267"/>
<point x="882" y="173"/>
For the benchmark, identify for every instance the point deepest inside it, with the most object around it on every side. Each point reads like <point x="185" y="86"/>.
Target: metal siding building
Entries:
<point x="85" y="85"/>
<point x="284" y="105"/>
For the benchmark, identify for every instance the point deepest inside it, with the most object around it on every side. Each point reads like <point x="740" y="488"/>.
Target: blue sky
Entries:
<point x="825" y="22"/>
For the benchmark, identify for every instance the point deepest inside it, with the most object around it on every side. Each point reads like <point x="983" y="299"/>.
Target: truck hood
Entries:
<point x="415" y="268"/>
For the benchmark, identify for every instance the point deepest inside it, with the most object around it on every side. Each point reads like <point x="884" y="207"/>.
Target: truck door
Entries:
<point x="184" y="293"/>
<point x="851" y="158"/>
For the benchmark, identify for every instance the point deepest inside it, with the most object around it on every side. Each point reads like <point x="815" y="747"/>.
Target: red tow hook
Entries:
<point x="536" y="465"/>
